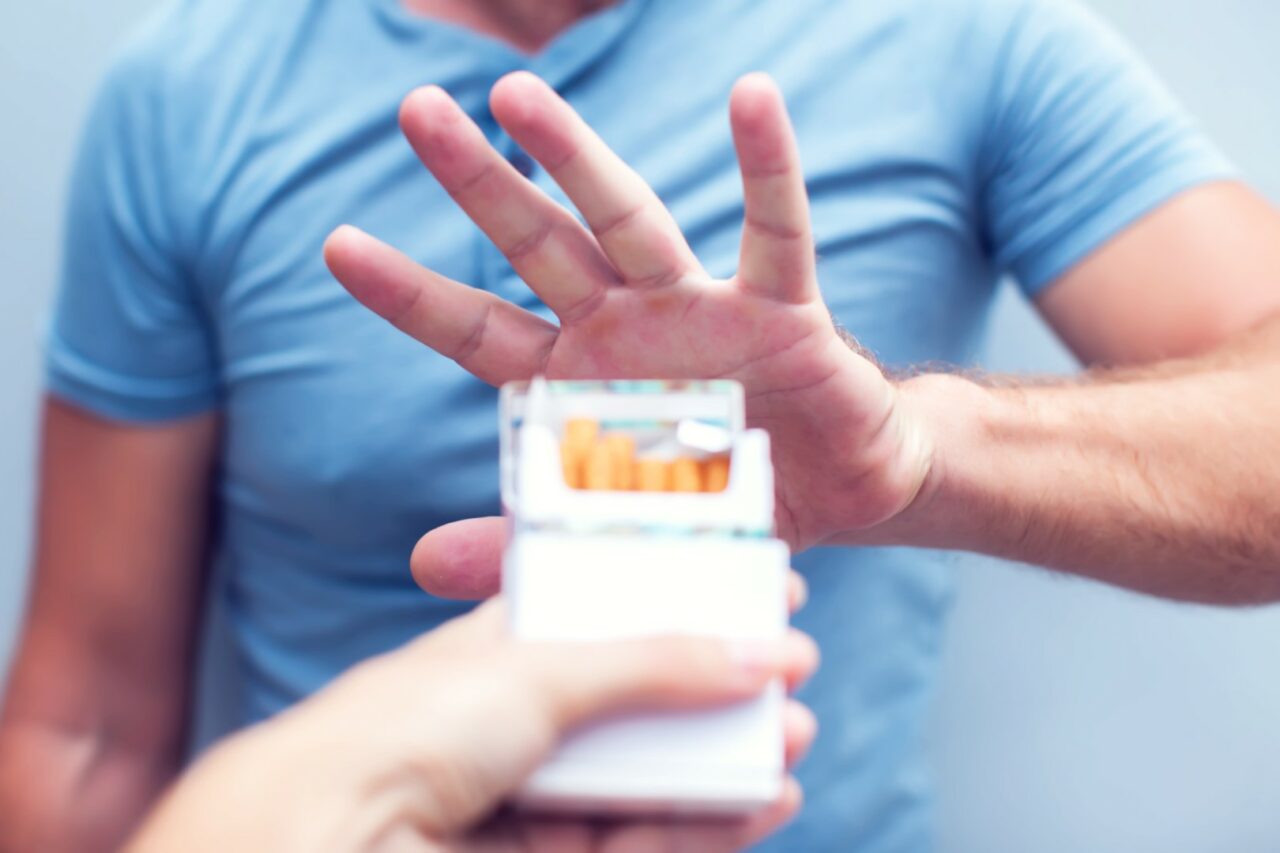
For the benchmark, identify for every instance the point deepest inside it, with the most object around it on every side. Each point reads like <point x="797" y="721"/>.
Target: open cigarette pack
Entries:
<point x="643" y="508"/>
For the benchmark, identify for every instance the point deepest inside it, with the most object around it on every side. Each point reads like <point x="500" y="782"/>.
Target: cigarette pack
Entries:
<point x="641" y="508"/>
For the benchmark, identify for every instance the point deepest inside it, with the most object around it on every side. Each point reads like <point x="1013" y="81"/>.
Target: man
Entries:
<point x="944" y="143"/>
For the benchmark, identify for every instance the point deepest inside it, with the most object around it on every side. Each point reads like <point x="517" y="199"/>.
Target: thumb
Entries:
<point x="461" y="560"/>
<point x="575" y="683"/>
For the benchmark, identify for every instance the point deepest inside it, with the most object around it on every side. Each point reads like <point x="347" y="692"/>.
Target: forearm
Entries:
<point x="63" y="789"/>
<point x="95" y="714"/>
<point x="1165" y="480"/>
<point x="250" y="792"/>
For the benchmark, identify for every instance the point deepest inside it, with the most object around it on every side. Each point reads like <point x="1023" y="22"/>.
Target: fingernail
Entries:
<point x="801" y="591"/>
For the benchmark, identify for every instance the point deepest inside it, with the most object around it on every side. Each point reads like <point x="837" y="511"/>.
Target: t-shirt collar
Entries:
<point x="565" y="57"/>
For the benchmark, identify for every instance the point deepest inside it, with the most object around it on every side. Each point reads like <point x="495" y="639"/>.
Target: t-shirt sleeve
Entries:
<point x="129" y="337"/>
<point x="1081" y="141"/>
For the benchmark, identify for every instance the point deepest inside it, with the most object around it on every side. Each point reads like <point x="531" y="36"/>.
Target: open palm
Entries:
<point x="634" y="302"/>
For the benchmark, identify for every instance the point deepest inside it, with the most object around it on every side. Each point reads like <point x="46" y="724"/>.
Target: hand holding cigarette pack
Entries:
<point x="643" y="508"/>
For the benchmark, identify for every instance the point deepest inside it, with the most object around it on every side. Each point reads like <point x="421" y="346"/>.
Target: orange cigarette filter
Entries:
<point x="608" y="462"/>
<point x="579" y="436"/>
<point x="581" y="432"/>
<point x="652" y="475"/>
<point x="597" y="471"/>
<point x="715" y="474"/>
<point x="622" y="460"/>
<point x="685" y="476"/>
<point x="572" y="467"/>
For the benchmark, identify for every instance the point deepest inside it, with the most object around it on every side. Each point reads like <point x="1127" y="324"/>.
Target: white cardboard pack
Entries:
<point x="585" y="566"/>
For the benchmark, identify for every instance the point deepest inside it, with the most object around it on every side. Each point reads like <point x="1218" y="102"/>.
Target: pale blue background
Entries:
<point x="1072" y="717"/>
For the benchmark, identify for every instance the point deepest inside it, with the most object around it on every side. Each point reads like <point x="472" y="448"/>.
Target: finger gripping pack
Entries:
<point x="646" y="508"/>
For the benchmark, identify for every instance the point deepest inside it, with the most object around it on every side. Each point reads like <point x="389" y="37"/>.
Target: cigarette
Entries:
<point x="622" y="459"/>
<point x="597" y="471"/>
<point x="579" y="436"/>
<point x="572" y="466"/>
<point x="685" y="476"/>
<point x="652" y="475"/>
<point x="715" y="474"/>
<point x="581" y="432"/>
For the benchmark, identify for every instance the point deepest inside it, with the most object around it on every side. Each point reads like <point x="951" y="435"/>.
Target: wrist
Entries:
<point x="344" y="764"/>
<point x="273" y="786"/>
<point x="950" y="418"/>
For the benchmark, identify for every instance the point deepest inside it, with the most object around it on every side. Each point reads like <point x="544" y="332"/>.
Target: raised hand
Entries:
<point x="633" y="301"/>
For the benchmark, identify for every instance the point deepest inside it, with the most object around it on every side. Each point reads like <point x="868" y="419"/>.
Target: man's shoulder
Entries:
<point x="927" y="34"/>
<point x="184" y="46"/>
<point x="946" y="17"/>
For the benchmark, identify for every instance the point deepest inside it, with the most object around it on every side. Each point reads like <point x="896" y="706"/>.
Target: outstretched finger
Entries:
<point x="777" y="257"/>
<point x="489" y="337"/>
<point x="633" y="226"/>
<point x="545" y="244"/>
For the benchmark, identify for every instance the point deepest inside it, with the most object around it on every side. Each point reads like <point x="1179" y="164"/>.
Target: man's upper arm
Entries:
<point x="1106" y="203"/>
<point x="1197" y="270"/>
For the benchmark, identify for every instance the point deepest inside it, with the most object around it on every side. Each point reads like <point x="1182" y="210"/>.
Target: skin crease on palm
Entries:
<point x="633" y="302"/>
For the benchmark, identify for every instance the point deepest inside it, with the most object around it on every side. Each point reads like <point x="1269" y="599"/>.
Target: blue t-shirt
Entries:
<point x="946" y="142"/>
